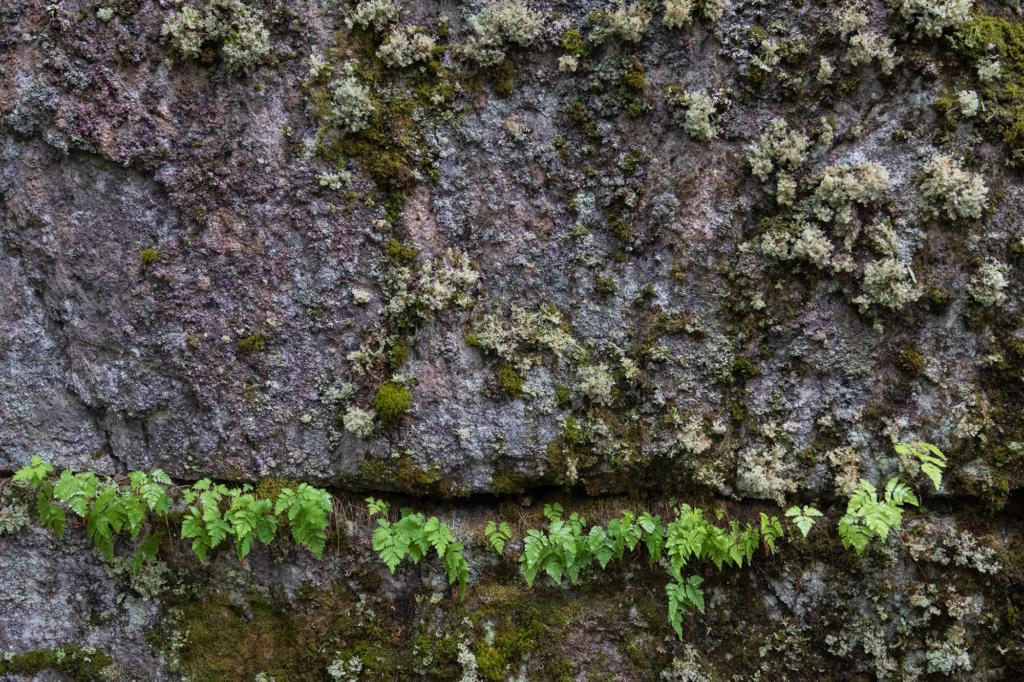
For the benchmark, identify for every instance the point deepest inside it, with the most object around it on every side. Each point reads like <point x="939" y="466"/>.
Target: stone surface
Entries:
<point x="579" y="295"/>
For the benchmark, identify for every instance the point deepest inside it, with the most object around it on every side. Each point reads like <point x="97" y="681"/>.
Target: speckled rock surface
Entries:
<point x="588" y="285"/>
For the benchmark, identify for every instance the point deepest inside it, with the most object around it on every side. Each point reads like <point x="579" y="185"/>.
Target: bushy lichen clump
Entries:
<point x="352" y="105"/>
<point x="988" y="287"/>
<point x="931" y="17"/>
<point x="237" y="28"/>
<point x="952" y="191"/>
<point x="499" y="26"/>
<point x="359" y="422"/>
<point x="779" y="148"/>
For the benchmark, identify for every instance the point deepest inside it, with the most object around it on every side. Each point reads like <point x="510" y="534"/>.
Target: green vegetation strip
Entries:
<point x="216" y="512"/>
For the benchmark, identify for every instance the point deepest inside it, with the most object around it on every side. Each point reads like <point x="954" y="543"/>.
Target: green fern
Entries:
<point x="682" y="596"/>
<point x="498" y="535"/>
<point x="803" y="518"/>
<point x="414" y="536"/>
<point x="35" y="473"/>
<point x="308" y="510"/>
<point x="458" y="567"/>
<point x="564" y="551"/>
<point x="249" y="519"/>
<point x="932" y="459"/>
<point x="771" y="530"/>
<point x="377" y="507"/>
<point x="204" y="522"/>
<point x="868" y="517"/>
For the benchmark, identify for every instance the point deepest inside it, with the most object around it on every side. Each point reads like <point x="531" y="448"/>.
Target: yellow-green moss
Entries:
<point x="391" y="403"/>
<point x="71" y="661"/>
<point x="510" y="381"/>
<point x="252" y="343"/>
<point x="150" y="257"/>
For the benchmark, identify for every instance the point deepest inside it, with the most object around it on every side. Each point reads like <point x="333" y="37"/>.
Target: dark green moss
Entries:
<point x="510" y="381"/>
<point x="252" y="343"/>
<point x="572" y="432"/>
<point x="620" y="227"/>
<point x="150" y="257"/>
<point x="605" y="286"/>
<point x="376" y="472"/>
<point x="399" y="354"/>
<point x="561" y="145"/>
<point x="508" y="483"/>
<point x="502" y="78"/>
<point x="938" y="298"/>
<point x="72" y="661"/>
<point x="270" y="488"/>
<point x="742" y="369"/>
<point x="578" y="114"/>
<point x="401" y="253"/>
<point x="391" y="403"/>
<point x="1004" y="98"/>
<point x="563" y="396"/>
<point x="573" y="42"/>
<point x="634" y="80"/>
<point x="1016" y="250"/>
<point x="910" y="361"/>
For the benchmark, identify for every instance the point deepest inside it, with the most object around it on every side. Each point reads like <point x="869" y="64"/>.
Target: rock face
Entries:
<point x="482" y="257"/>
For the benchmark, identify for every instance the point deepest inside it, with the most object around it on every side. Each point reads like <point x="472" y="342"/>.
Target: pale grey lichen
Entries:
<point x="951" y="190"/>
<point x="867" y="46"/>
<point x="596" y="383"/>
<point x="13" y="517"/>
<point x="813" y="246"/>
<point x="405" y="46"/>
<point x="779" y="145"/>
<point x="334" y="181"/>
<point x="359" y="422"/>
<point x="677" y="13"/>
<point x="246" y="43"/>
<point x="932" y="16"/>
<point x="498" y="25"/>
<point x="346" y="670"/>
<point x="988" y="287"/>
<point x="950" y="655"/>
<point x="839" y="185"/>
<point x="629" y="23"/>
<point x="989" y="69"/>
<point x="686" y="668"/>
<point x="825" y="71"/>
<point x="469" y="665"/>
<point x="375" y="13"/>
<point x="714" y="9"/>
<point x="887" y="282"/>
<point x="352" y="105"/>
<point x="700" y="116"/>
<point x="847" y="20"/>
<point x="785" y="192"/>
<point x="968" y="101"/>
<point x="761" y="473"/>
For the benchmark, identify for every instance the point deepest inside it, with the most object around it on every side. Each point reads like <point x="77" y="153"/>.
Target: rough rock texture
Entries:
<point x="594" y="286"/>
